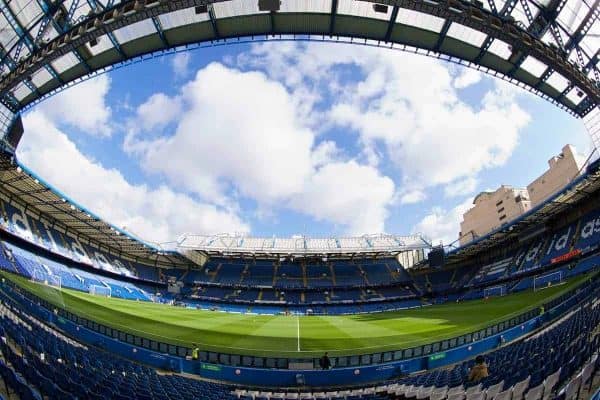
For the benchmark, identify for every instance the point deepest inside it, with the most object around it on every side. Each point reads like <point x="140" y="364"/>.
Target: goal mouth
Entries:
<point x="541" y="282"/>
<point x="99" y="290"/>
<point x="48" y="280"/>
<point x="495" y="291"/>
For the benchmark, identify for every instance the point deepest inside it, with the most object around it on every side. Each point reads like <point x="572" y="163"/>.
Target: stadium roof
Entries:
<point x="231" y="244"/>
<point x="535" y="219"/>
<point x="549" y="47"/>
<point x="21" y="185"/>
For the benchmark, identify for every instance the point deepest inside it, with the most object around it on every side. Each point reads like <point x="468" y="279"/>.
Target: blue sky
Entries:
<point x="291" y="138"/>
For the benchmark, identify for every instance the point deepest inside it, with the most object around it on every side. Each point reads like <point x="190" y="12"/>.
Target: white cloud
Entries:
<point x="180" y="63"/>
<point x="350" y="194"/>
<point x="83" y="107"/>
<point x="228" y="134"/>
<point x="158" y="111"/>
<point x="413" y="196"/>
<point x="406" y="102"/>
<point x="468" y="77"/>
<point x="155" y="214"/>
<point x="242" y="134"/>
<point x="442" y="224"/>
<point x="461" y="187"/>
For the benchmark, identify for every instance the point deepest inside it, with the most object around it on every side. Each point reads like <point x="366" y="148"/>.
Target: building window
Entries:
<point x="502" y="217"/>
<point x="500" y="210"/>
<point x="498" y="203"/>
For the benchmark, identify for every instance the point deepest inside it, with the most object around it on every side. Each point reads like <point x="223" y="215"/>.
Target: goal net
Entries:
<point x="545" y="281"/>
<point x="499" y="290"/>
<point x="100" y="290"/>
<point x="46" y="279"/>
<point x="54" y="280"/>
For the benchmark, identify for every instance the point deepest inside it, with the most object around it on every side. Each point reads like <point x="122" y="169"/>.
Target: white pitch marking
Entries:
<point x="298" y="330"/>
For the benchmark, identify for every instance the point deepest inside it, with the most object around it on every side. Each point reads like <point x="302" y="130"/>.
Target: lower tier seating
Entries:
<point x="40" y="361"/>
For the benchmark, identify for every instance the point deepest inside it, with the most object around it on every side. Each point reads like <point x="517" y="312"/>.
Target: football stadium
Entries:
<point x="509" y="311"/>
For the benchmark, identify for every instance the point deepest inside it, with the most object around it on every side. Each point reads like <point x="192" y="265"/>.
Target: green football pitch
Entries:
<point x="293" y="336"/>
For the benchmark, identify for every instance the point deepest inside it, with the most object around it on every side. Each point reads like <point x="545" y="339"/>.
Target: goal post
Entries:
<point x="38" y="276"/>
<point x="100" y="290"/>
<point x="46" y="279"/>
<point x="499" y="290"/>
<point x="54" y="280"/>
<point x="547" y="280"/>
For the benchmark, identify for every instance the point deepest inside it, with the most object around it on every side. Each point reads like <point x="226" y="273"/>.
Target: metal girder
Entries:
<point x="116" y="44"/>
<point x="585" y="26"/>
<point x="442" y="35"/>
<point x="71" y="12"/>
<point x="97" y="5"/>
<point x="25" y="39"/>
<point x="334" y="7"/>
<point x="538" y="27"/>
<point x="593" y="65"/>
<point x="546" y="17"/>
<point x="390" y="28"/>
<point x="557" y="36"/>
<point x="527" y="10"/>
<point x="161" y="33"/>
<point x="22" y="36"/>
<point x="506" y="10"/>
<point x="272" y="22"/>
<point x="213" y="21"/>
<point x="471" y="15"/>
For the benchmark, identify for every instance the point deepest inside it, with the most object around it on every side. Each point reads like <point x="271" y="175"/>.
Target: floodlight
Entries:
<point x="201" y="9"/>
<point x="269" y="5"/>
<point x="380" y="8"/>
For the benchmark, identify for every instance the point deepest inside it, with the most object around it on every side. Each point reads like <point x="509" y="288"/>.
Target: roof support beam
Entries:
<point x="546" y="17"/>
<point x="538" y="27"/>
<point x="161" y="32"/>
<point x="334" y="7"/>
<point x="124" y="13"/>
<point x="390" y="28"/>
<point x="585" y="26"/>
<point x="213" y="21"/>
<point x="442" y="35"/>
<point x="96" y="5"/>
<point x="574" y="40"/>
<point x="25" y="38"/>
<point x="272" y="22"/>
<point x="527" y="10"/>
<point x="506" y="10"/>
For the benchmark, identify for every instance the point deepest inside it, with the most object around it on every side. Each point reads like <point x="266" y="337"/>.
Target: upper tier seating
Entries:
<point x="43" y="269"/>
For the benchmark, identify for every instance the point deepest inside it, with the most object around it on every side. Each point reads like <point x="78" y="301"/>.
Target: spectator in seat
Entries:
<point x="479" y="370"/>
<point x="325" y="362"/>
<point x="195" y="351"/>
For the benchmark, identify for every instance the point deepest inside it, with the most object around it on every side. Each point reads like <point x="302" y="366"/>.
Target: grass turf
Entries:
<point x="292" y="336"/>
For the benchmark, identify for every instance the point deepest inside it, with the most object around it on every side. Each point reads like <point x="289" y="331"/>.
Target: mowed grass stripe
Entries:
<point x="276" y="336"/>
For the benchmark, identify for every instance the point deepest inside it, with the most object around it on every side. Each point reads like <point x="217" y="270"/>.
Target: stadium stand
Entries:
<point x="335" y="286"/>
<point x="551" y="357"/>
